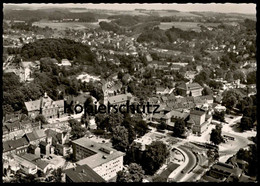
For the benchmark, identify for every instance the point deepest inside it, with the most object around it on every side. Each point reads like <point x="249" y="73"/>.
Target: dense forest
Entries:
<point x="110" y="27"/>
<point x="56" y="48"/>
<point x="158" y="35"/>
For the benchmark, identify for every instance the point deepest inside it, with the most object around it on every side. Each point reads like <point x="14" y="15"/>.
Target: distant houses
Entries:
<point x="65" y="62"/>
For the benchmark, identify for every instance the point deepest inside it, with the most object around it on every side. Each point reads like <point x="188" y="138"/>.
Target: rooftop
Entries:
<point x="83" y="173"/>
<point x="197" y="112"/>
<point x="191" y="86"/>
<point x="101" y="152"/>
<point x="119" y="98"/>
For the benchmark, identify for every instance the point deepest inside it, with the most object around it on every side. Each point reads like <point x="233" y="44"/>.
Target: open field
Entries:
<point x="177" y="14"/>
<point x="65" y="25"/>
<point x="186" y="25"/>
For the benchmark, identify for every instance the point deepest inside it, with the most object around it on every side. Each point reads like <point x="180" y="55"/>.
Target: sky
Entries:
<point x="249" y="8"/>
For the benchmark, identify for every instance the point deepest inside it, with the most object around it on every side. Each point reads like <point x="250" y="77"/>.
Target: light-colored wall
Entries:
<point x="109" y="170"/>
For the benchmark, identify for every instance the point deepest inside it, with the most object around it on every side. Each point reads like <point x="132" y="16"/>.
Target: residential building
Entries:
<point x="118" y="99"/>
<point x="199" y="121"/>
<point x="83" y="174"/>
<point x="191" y="89"/>
<point x="102" y="159"/>
<point x="162" y="91"/>
<point x="36" y="136"/>
<point x="45" y="106"/>
<point x="224" y="172"/>
<point x="65" y="62"/>
<point x="17" y="129"/>
<point x="17" y="146"/>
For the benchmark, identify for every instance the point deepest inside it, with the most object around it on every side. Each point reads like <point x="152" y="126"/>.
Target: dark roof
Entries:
<point x="31" y="136"/>
<point x="83" y="173"/>
<point x="227" y="168"/>
<point x="14" y="144"/>
<point x="41" y="163"/>
<point x="43" y="143"/>
<point x="197" y="112"/>
<point x="30" y="157"/>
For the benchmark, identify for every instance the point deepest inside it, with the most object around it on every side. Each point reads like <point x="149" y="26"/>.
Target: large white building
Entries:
<point x="104" y="160"/>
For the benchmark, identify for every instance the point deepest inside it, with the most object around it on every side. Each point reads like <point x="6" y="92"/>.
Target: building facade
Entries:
<point x="104" y="160"/>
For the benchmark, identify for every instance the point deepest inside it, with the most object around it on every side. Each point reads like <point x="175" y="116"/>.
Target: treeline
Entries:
<point x="158" y="35"/>
<point x="125" y="20"/>
<point x="111" y="27"/>
<point x="52" y="14"/>
<point x="28" y="27"/>
<point x="56" y="48"/>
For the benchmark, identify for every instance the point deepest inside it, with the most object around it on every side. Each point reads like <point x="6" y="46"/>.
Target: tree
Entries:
<point x="251" y="77"/>
<point x="220" y="116"/>
<point x="41" y="118"/>
<point x="246" y="123"/>
<point x="120" y="138"/>
<point x="114" y="119"/>
<point x="155" y="155"/>
<point x="134" y="173"/>
<point x="162" y="126"/>
<point x="101" y="121"/>
<point x="141" y="128"/>
<point x="207" y="91"/>
<point x="215" y="136"/>
<point x="76" y="130"/>
<point x="179" y="128"/>
<point x="231" y="102"/>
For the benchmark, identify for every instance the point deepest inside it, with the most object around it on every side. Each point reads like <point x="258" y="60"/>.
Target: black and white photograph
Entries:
<point x="119" y="93"/>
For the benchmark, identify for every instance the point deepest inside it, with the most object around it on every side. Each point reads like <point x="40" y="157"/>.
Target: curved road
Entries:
<point x="189" y="166"/>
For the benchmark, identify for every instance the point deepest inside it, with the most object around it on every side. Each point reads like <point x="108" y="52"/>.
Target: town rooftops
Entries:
<point x="101" y="152"/>
<point x="36" y="134"/>
<point x="83" y="173"/>
<point x="119" y="98"/>
<point x="33" y="105"/>
<point x="191" y="86"/>
<point x="41" y="163"/>
<point x="176" y="114"/>
<point x="14" y="144"/>
<point x="229" y="169"/>
<point x="30" y="157"/>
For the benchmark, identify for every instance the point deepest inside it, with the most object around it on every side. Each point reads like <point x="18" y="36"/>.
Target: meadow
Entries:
<point x="186" y="25"/>
<point x="67" y="25"/>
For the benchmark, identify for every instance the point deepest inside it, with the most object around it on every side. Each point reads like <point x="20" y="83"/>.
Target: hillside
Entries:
<point x="56" y="48"/>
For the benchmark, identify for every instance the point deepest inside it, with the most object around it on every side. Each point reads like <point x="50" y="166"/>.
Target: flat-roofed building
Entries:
<point x="102" y="159"/>
<point x="81" y="174"/>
